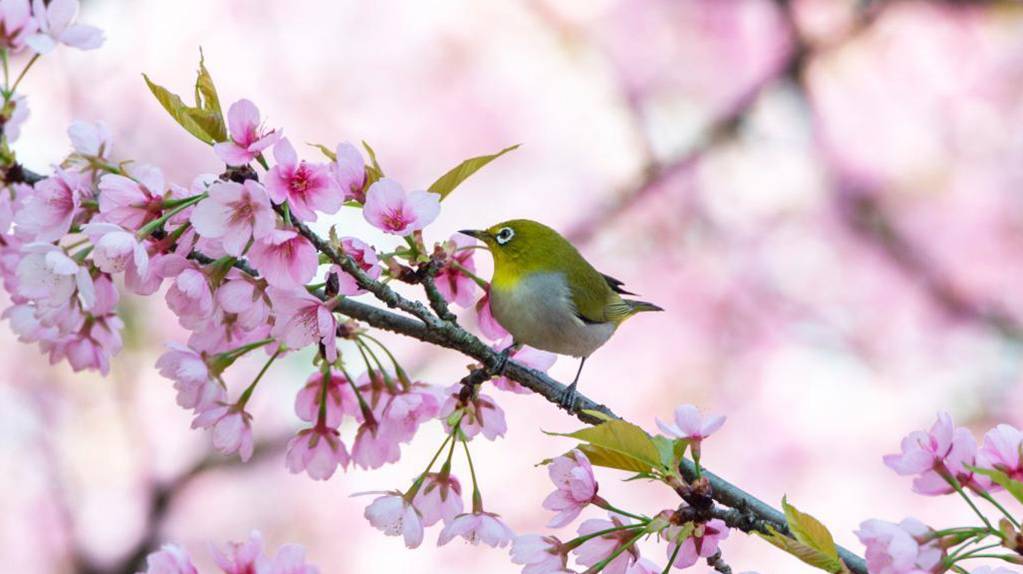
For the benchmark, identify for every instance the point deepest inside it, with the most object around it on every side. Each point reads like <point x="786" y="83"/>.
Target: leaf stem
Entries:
<point x="247" y="393"/>
<point x="21" y="76"/>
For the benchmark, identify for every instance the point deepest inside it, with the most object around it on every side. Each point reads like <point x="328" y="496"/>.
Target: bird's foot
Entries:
<point x="568" y="398"/>
<point x="497" y="368"/>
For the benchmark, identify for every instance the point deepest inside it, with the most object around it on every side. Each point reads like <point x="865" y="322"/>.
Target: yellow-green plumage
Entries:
<point x="547" y="295"/>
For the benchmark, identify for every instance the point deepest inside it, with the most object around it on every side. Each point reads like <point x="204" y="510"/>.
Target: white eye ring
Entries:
<point x="504" y="235"/>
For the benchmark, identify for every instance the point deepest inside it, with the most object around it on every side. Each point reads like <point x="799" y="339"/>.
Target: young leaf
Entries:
<point x="623" y="438"/>
<point x="325" y="151"/>
<point x="450" y="180"/>
<point x="607" y="458"/>
<point x="179" y="111"/>
<point x="373" y="159"/>
<point x="598" y="415"/>
<point x="1013" y="487"/>
<point x="207" y="100"/>
<point x="809" y="530"/>
<point x="804" y="552"/>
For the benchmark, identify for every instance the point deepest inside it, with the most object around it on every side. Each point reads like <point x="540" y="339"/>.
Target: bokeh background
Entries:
<point x="825" y="195"/>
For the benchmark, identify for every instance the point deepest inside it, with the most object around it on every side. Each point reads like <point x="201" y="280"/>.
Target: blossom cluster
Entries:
<point x="947" y="459"/>
<point x="246" y="557"/>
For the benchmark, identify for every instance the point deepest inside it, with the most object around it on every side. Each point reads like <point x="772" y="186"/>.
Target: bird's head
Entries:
<point x="520" y="242"/>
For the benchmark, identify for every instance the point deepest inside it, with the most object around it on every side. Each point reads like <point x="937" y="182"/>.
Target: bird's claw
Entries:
<point x="568" y="398"/>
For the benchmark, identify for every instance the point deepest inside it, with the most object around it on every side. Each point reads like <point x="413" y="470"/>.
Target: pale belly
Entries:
<point x="539" y="312"/>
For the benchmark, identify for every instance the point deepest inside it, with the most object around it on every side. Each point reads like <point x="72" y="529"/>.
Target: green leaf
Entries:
<point x="671" y="450"/>
<point x="804" y="552"/>
<point x="809" y="530"/>
<point x="373" y="159"/>
<point x="598" y="415"/>
<point x="207" y="100"/>
<point x="607" y="458"/>
<point x="623" y="438"/>
<point x="1013" y="487"/>
<point x="325" y="151"/>
<point x="178" y="110"/>
<point x="450" y="180"/>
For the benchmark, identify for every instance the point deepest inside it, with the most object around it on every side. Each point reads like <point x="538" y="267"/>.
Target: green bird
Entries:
<point x="549" y="297"/>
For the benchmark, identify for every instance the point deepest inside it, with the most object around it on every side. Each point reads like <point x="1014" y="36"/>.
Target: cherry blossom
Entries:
<point x="690" y="424"/>
<point x="16" y="24"/>
<point x="290" y="559"/>
<point x="572" y="475"/>
<point x="488" y="325"/>
<point x="455" y="285"/>
<point x="395" y="516"/>
<point x="133" y="201"/>
<point x="374" y="446"/>
<point x="393" y="210"/>
<point x="539" y="554"/>
<point x="595" y="550"/>
<point x="340" y="397"/>
<point x="307" y="187"/>
<point x="405" y="411"/>
<point x="170" y="559"/>
<point x="481" y="415"/>
<point x="365" y="257"/>
<point x="114" y="248"/>
<point x="247" y="137"/>
<point x="50" y="278"/>
<point x="935" y="456"/>
<point x="317" y="451"/>
<point x="302" y="319"/>
<point x="234" y="213"/>
<point x="702" y="543"/>
<point x="896" y="548"/>
<point x="242" y="557"/>
<point x="232" y="429"/>
<point x="90" y="139"/>
<point x="1001" y="450"/>
<point x="349" y="171"/>
<point x="477" y="527"/>
<point x="56" y="26"/>
<point x="50" y="210"/>
<point x="286" y="259"/>
<point x="439" y="498"/>
<point x="245" y="299"/>
<point x="196" y="388"/>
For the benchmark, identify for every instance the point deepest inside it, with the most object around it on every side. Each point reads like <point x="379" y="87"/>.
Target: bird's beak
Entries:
<point x="476" y="233"/>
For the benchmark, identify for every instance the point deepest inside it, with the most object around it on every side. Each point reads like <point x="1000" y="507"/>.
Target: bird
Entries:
<point x="547" y="296"/>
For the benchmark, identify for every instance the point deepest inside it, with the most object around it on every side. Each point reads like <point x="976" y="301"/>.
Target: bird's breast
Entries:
<point x="538" y="311"/>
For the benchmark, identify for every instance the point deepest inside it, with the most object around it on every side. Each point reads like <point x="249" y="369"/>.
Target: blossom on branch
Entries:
<point x="307" y="187"/>
<point x="56" y="25"/>
<point x="234" y="213"/>
<point x="247" y="137"/>
<point x="392" y="210"/>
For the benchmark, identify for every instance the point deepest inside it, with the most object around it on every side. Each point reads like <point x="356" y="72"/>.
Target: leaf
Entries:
<point x="809" y="530"/>
<point x="325" y="151"/>
<point x="671" y="450"/>
<point x="623" y="438"/>
<point x="806" y="553"/>
<point x="373" y="159"/>
<point x="178" y="110"/>
<point x="607" y="458"/>
<point x="207" y="100"/>
<point x="1013" y="487"/>
<point x="598" y="415"/>
<point x="450" y="180"/>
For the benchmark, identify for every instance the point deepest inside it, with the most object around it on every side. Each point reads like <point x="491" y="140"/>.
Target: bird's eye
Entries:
<point x="504" y="235"/>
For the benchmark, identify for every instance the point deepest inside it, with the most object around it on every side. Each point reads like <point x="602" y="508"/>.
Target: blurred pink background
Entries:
<point x="830" y="213"/>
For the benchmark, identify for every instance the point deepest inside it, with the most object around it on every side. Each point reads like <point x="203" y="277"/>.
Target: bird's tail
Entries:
<point x="626" y="308"/>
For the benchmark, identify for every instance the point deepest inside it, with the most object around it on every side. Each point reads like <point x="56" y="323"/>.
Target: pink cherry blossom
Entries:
<point x="15" y="117"/>
<point x="53" y="205"/>
<point x="49" y="277"/>
<point x="476" y="527"/>
<point x="374" y="447"/>
<point x="247" y="138"/>
<point x="539" y="554"/>
<point x="114" y="247"/>
<point x="392" y="210"/>
<point x="528" y="356"/>
<point x="481" y="415"/>
<point x="349" y="171"/>
<point x="187" y="368"/>
<point x="132" y="202"/>
<point x="169" y="559"/>
<point x="341" y="399"/>
<point x="317" y="451"/>
<point x="595" y="550"/>
<point x="439" y="498"/>
<point x="234" y="213"/>
<point x="245" y="299"/>
<point x="690" y="424"/>
<point x="90" y="139"/>
<point x="452" y="282"/>
<point x="896" y="548"/>
<point x="232" y="429"/>
<point x="242" y="557"/>
<point x="307" y="187"/>
<point x="221" y="332"/>
<point x="702" y="543"/>
<point x="1001" y="450"/>
<point x="934" y="455"/>
<point x="576" y="487"/>
<point x="301" y="320"/>
<point x="488" y="325"/>
<point x="56" y="26"/>
<point x="290" y="559"/>
<point x="190" y="297"/>
<point x="395" y="516"/>
<point x="285" y="259"/>
<point x="16" y="24"/>
<point x="365" y="257"/>
<point x="405" y="411"/>
<point x="89" y="348"/>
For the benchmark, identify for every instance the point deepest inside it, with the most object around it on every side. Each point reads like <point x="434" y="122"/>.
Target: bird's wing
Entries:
<point x="591" y="294"/>
<point x="616" y="285"/>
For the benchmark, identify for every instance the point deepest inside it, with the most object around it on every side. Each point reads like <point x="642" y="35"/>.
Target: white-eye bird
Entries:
<point x="547" y="296"/>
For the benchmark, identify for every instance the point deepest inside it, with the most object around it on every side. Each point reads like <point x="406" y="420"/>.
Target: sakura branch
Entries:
<point x="243" y="272"/>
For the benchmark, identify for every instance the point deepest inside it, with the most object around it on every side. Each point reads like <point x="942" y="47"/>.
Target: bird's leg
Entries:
<point x="569" y="396"/>
<point x="477" y="376"/>
<point x="502" y="358"/>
